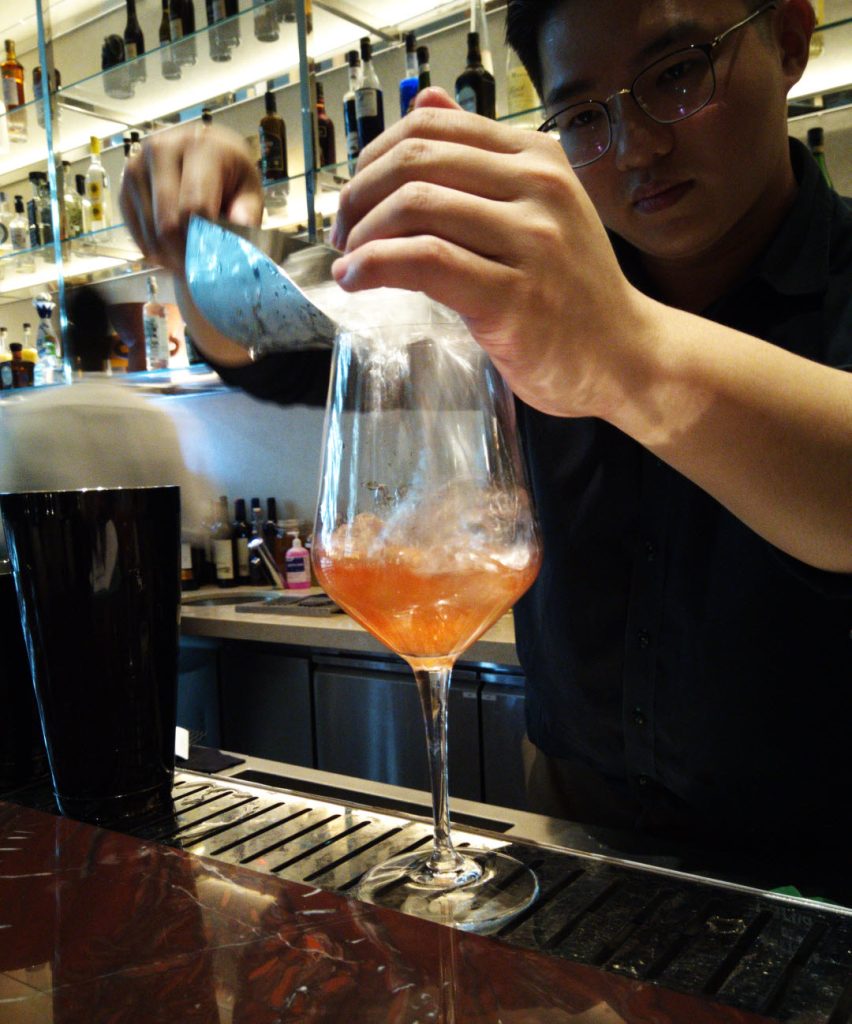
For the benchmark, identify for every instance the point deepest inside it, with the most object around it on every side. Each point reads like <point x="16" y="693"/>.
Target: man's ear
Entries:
<point x="793" y="27"/>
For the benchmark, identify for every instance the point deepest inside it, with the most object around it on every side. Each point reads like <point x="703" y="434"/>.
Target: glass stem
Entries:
<point x="433" y="686"/>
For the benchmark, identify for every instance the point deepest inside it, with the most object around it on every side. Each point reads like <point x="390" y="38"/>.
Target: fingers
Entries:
<point x="205" y="170"/>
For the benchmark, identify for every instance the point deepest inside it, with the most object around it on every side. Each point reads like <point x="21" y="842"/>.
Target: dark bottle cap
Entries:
<point x="80" y="182"/>
<point x="206" y="115"/>
<point x="240" y="509"/>
<point x="269" y="100"/>
<point x="474" y="55"/>
<point x="410" y="42"/>
<point x="134" y="136"/>
<point x="320" y="93"/>
<point x="19" y="204"/>
<point x="353" y="59"/>
<point x="422" y="54"/>
<point x="816" y="137"/>
<point x="366" y="48"/>
<point x="16" y="346"/>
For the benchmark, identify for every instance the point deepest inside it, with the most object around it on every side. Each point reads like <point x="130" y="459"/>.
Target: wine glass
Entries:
<point x="425" y="534"/>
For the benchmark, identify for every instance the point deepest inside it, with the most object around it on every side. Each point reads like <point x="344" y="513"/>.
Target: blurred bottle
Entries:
<point x="73" y="206"/>
<point x="22" y="371"/>
<point x="85" y="202"/>
<point x="272" y="133"/>
<point x="350" y="114"/>
<point x="169" y="33"/>
<point x="134" y="44"/>
<point x="4" y="126"/>
<point x="217" y="36"/>
<point x="47" y="344"/>
<point x="5" y="220"/>
<point x="369" y="104"/>
<point x="258" y="575"/>
<point x="222" y="547"/>
<point x="206" y="115"/>
<point x="28" y="351"/>
<point x="475" y="85"/>
<point x="156" y="329"/>
<point x="816" y="142"/>
<point x="97" y="188"/>
<point x="241" y="532"/>
<point x="41" y="101"/>
<point x="479" y="25"/>
<point x="521" y="97"/>
<point x="183" y="11"/>
<point x="817" y="44"/>
<point x="232" y="25"/>
<point x="118" y="81"/>
<point x="424" y="74"/>
<point x="33" y="228"/>
<point x="408" y="82"/>
<point x="325" y="132"/>
<point x="13" y="94"/>
<point x="20" y="235"/>
<point x="265" y="22"/>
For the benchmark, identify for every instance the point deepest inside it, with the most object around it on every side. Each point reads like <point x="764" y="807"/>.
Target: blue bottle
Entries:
<point x="408" y="84"/>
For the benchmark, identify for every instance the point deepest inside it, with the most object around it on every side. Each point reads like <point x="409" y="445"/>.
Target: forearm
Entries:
<point x="767" y="433"/>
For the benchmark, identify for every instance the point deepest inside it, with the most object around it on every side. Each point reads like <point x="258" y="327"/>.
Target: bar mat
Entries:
<point x="292" y="604"/>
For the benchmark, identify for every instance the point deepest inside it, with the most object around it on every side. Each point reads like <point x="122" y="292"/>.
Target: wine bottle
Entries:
<point x="258" y="576"/>
<point x="369" y="105"/>
<point x="475" y="85"/>
<point x="156" y="329"/>
<point x="408" y="82"/>
<point x="350" y="116"/>
<point x="232" y="25"/>
<point x="219" y="48"/>
<point x="169" y="33"/>
<point x="816" y="142"/>
<point x="325" y="132"/>
<point x="273" y="141"/>
<point x="13" y="94"/>
<point x="41" y="100"/>
<point x="222" y="544"/>
<point x="184" y="12"/>
<point x="241" y="534"/>
<point x="97" y="188"/>
<point x="424" y="75"/>
<point x="134" y="44"/>
<point x="479" y="25"/>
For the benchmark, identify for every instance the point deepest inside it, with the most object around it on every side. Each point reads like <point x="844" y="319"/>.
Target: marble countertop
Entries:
<point x="334" y="632"/>
<point x="97" y="926"/>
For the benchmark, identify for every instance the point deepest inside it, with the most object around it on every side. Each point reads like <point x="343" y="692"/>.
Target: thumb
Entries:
<point x="434" y="96"/>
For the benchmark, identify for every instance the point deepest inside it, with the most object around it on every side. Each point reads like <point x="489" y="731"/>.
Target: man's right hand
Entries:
<point x="202" y="169"/>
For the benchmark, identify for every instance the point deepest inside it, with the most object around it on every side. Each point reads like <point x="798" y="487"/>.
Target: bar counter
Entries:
<point x="96" y="926"/>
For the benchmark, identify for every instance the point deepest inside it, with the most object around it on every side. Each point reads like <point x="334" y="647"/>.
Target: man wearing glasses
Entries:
<point x="666" y="283"/>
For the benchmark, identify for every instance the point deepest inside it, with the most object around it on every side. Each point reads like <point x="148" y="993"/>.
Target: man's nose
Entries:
<point x="637" y="140"/>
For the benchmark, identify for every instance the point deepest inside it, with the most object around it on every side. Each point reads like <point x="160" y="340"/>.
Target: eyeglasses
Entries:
<point x="669" y="90"/>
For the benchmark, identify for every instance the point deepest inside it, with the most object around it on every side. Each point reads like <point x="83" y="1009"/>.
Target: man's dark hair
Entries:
<point x="523" y="22"/>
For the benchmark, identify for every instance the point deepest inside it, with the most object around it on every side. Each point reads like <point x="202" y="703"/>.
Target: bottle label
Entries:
<point x="242" y="556"/>
<point x="130" y="50"/>
<point x="217" y="9"/>
<point x="367" y="103"/>
<point x="296" y="564"/>
<point x="96" y="198"/>
<point x="223" y="556"/>
<point x="466" y="99"/>
<point x="185" y="561"/>
<point x="10" y="92"/>
<point x="156" y="341"/>
<point x="176" y="29"/>
<point x="272" y="150"/>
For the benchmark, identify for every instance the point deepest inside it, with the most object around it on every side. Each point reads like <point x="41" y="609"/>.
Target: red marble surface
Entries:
<point x="100" y="927"/>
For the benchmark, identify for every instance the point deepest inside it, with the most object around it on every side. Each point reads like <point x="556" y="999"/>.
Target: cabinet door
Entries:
<point x="266" y="703"/>
<point x="198" y="690"/>
<point x="503" y="729"/>
<point x="369" y="725"/>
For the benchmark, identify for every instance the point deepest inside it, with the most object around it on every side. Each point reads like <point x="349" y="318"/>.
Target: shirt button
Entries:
<point x="638" y="717"/>
<point x="644" y="638"/>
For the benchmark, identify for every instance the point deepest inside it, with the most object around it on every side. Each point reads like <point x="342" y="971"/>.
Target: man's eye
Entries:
<point x="679" y="73"/>
<point x="586" y="119"/>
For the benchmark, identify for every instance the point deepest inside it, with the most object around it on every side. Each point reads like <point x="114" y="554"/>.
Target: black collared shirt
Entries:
<point x="703" y="674"/>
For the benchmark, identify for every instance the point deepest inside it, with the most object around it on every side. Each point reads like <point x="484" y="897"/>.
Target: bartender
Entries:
<point x="667" y="288"/>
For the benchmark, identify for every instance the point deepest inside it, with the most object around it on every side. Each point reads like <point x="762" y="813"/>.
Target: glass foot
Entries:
<point x="481" y="893"/>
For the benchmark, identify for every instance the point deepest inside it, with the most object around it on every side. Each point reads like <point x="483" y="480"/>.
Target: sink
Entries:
<point x="231" y="599"/>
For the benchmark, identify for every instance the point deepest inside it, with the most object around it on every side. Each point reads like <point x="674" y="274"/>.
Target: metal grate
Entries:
<point x="786" y="959"/>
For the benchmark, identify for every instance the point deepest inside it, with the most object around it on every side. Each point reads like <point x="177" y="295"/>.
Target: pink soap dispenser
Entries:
<point x="298" y="566"/>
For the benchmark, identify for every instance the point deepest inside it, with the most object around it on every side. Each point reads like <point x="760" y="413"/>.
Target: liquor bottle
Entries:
<point x="521" y="97"/>
<point x="258" y="575"/>
<point x="118" y="81"/>
<point x="206" y="115"/>
<point x="184" y="12"/>
<point x="408" y="82"/>
<point x="475" y="85"/>
<point x="22" y="369"/>
<point x="350" y="116"/>
<point x="43" y="213"/>
<point x="5" y="220"/>
<point x="135" y="144"/>
<point x="169" y="66"/>
<point x="218" y="37"/>
<point x="369" y="105"/>
<point x="13" y="94"/>
<point x="479" y="25"/>
<point x="265" y="22"/>
<point x="20" y="235"/>
<point x="33" y="230"/>
<point x="273" y="141"/>
<point x="156" y="329"/>
<point x="134" y="44"/>
<point x="232" y="25"/>
<point x="97" y="188"/>
<point x="241" y="532"/>
<point x="222" y="536"/>
<point x="29" y="354"/>
<point x="816" y="142"/>
<point x="424" y="75"/>
<point x="325" y="132"/>
<point x="85" y="202"/>
<point x="56" y="82"/>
